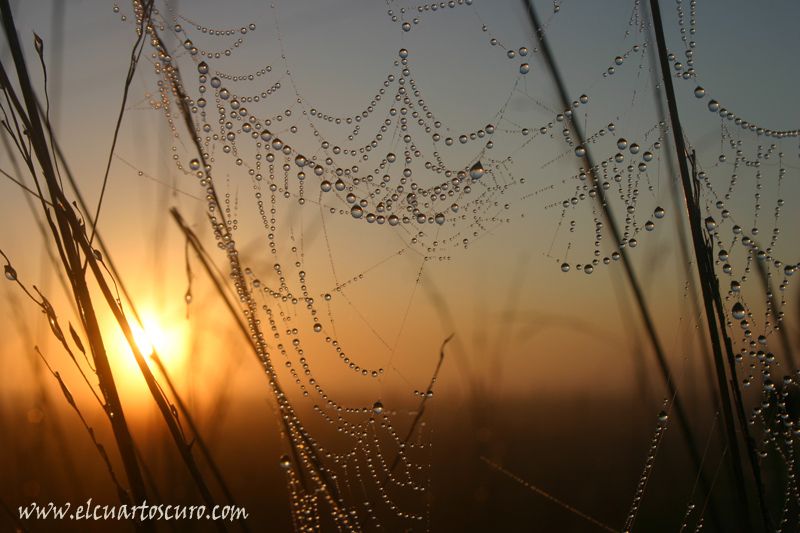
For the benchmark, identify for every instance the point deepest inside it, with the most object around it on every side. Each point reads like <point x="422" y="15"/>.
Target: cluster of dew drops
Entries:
<point x="392" y="170"/>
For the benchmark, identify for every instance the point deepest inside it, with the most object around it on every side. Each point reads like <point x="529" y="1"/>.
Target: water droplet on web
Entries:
<point x="622" y="144"/>
<point x="403" y="53"/>
<point x="662" y="416"/>
<point x="476" y="171"/>
<point x="580" y="151"/>
<point x="439" y="218"/>
<point x="377" y="408"/>
<point x="194" y="164"/>
<point x="356" y="211"/>
<point x="699" y="92"/>
<point x="713" y="106"/>
<point x="659" y="212"/>
<point x="738" y="311"/>
<point x="11" y="274"/>
<point x="202" y="68"/>
<point x="711" y="224"/>
<point x="285" y="462"/>
<point x="564" y="267"/>
<point x="524" y="68"/>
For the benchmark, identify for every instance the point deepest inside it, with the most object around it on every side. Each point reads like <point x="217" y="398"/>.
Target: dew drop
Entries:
<point x="377" y="408"/>
<point x="564" y="267"/>
<point x="476" y="171"/>
<point x="524" y="68"/>
<point x="699" y="92"/>
<point x="738" y="311"/>
<point x="11" y="274"/>
<point x="580" y="151"/>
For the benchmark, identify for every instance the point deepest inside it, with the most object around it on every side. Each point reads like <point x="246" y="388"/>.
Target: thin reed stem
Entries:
<point x="62" y="230"/>
<point x="633" y="282"/>
<point x="711" y="297"/>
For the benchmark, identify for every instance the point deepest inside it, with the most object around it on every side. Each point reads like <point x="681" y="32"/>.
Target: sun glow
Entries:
<point x="159" y="333"/>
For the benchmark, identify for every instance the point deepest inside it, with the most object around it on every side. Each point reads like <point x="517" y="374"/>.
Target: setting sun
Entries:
<point x="162" y="333"/>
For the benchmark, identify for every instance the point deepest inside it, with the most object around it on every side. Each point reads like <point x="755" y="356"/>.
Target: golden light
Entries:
<point x="166" y="334"/>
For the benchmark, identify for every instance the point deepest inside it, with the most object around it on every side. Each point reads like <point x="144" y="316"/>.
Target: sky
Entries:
<point x="742" y="52"/>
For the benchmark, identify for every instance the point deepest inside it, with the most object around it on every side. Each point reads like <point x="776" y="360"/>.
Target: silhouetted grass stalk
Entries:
<point x="108" y="259"/>
<point x="774" y="309"/>
<point x="71" y="239"/>
<point x="421" y="409"/>
<point x="197" y="437"/>
<point x="296" y="439"/>
<point x="711" y="298"/>
<point x="641" y="302"/>
<point x="63" y="230"/>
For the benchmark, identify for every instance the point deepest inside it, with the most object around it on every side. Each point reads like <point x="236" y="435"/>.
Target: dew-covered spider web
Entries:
<point x="338" y="172"/>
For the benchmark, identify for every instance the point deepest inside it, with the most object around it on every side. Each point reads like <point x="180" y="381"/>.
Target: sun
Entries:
<point x="159" y="333"/>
